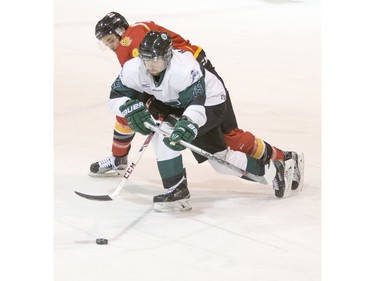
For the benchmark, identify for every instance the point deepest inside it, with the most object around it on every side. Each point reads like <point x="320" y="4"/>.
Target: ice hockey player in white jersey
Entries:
<point x="181" y="87"/>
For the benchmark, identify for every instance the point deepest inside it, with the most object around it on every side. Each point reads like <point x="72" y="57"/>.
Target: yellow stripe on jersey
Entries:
<point x="196" y="54"/>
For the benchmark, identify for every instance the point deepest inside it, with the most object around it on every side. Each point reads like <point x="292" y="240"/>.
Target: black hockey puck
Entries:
<point x="102" y="241"/>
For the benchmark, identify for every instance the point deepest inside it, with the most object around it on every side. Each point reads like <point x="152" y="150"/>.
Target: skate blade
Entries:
<point x="109" y="174"/>
<point x="173" y="207"/>
<point x="301" y="167"/>
<point x="289" y="168"/>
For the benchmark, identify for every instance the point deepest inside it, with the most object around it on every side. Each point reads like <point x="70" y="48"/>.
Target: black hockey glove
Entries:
<point x="136" y="114"/>
<point x="160" y="110"/>
<point x="184" y="130"/>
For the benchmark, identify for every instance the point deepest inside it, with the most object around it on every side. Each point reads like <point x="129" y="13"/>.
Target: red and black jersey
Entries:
<point x="133" y="36"/>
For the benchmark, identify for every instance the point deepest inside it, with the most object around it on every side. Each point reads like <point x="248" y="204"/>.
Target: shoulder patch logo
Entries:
<point x="194" y="75"/>
<point x="126" y="41"/>
<point x="135" y="52"/>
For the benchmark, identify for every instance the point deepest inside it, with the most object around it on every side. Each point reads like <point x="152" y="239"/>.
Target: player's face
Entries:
<point x="111" y="41"/>
<point x="155" y="65"/>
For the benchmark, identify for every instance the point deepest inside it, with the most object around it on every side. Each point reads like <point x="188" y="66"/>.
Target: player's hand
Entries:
<point x="136" y="114"/>
<point x="160" y="110"/>
<point x="184" y="130"/>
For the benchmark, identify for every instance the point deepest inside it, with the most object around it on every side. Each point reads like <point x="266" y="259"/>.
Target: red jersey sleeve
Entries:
<point x="179" y="42"/>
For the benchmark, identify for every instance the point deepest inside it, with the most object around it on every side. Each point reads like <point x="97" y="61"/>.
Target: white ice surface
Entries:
<point x="268" y="53"/>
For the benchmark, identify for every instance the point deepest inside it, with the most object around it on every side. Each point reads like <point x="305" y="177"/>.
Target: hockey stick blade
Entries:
<point x="94" y="197"/>
<point x="120" y="186"/>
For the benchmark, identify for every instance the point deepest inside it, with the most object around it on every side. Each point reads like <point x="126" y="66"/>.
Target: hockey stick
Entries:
<point x="129" y="170"/>
<point x="259" y="179"/>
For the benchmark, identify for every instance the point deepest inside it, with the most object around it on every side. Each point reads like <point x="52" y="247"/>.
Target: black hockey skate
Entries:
<point x="282" y="182"/>
<point x="112" y="166"/>
<point x="176" y="199"/>
<point x="298" y="172"/>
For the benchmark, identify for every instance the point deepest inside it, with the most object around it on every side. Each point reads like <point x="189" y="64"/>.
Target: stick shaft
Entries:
<point x="259" y="179"/>
<point x="126" y="176"/>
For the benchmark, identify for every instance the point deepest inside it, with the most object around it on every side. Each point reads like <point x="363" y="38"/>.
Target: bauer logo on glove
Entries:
<point x="184" y="130"/>
<point x="194" y="128"/>
<point x="131" y="107"/>
<point x="136" y="114"/>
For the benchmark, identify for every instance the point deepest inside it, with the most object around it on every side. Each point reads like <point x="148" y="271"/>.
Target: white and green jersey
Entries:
<point x="184" y="84"/>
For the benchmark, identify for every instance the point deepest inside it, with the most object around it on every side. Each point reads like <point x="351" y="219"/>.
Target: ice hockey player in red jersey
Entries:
<point x="198" y="99"/>
<point x="114" y="32"/>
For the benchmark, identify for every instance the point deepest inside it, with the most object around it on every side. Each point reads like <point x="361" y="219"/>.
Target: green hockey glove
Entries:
<point x="184" y="130"/>
<point x="136" y="114"/>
